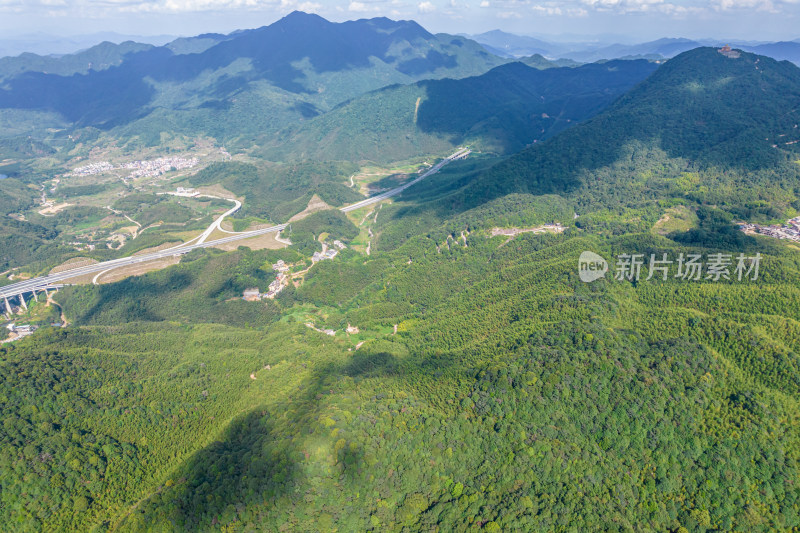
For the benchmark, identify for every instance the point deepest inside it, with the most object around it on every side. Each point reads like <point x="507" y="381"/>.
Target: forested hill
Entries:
<point x="299" y="65"/>
<point x="97" y="58"/>
<point x="504" y="110"/>
<point x="729" y="122"/>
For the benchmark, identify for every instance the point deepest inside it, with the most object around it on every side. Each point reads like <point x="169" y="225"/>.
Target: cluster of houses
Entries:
<point x="789" y="231"/>
<point x="93" y="168"/>
<point x="83" y="246"/>
<point x="328" y="253"/>
<point x="152" y="168"/>
<point x="19" y="332"/>
<point x="253" y="294"/>
<point x="281" y="281"/>
<point x="329" y="331"/>
<point x="159" y="166"/>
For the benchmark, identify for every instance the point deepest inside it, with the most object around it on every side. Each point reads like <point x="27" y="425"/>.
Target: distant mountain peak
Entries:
<point x="302" y="15"/>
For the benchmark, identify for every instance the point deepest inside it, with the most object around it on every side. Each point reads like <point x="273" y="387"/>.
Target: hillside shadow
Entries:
<point x="516" y="105"/>
<point x="259" y="461"/>
<point x="130" y="300"/>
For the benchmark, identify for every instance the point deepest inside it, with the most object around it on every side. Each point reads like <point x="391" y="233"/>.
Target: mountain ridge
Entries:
<point x="503" y="110"/>
<point x="699" y="112"/>
<point x="301" y="56"/>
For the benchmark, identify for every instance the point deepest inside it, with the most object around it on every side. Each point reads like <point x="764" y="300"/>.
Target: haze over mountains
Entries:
<point x="295" y="68"/>
<point x="46" y="44"/>
<point x="511" y="45"/>
<point x="267" y="80"/>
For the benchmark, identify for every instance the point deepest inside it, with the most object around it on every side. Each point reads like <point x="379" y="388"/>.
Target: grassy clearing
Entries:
<point x="676" y="219"/>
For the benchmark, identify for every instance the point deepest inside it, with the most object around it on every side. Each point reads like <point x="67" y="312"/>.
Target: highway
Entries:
<point x="22" y="287"/>
<point x="217" y="224"/>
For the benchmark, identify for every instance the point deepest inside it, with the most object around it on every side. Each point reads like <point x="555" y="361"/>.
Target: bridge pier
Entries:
<point x="22" y="301"/>
<point x="36" y="298"/>
<point x="8" y="306"/>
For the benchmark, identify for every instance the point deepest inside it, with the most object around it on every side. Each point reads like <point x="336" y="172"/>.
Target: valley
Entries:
<point x="64" y="276"/>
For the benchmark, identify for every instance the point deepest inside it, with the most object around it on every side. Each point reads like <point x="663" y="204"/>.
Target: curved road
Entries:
<point x="217" y="223"/>
<point x="39" y="283"/>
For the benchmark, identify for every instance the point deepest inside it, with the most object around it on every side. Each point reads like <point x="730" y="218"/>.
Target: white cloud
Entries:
<point x="769" y="6"/>
<point x="309" y="7"/>
<point x="485" y="3"/>
<point x="426" y="7"/>
<point x="647" y="6"/>
<point x="357" y="7"/>
<point x="547" y="10"/>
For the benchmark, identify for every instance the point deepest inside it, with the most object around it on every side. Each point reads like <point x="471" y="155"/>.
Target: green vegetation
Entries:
<point x="702" y="128"/>
<point x="510" y="389"/>
<point x="205" y="287"/>
<point x="486" y="386"/>
<point x="80" y="190"/>
<point x="305" y="233"/>
<point x="21" y="242"/>
<point x="503" y="110"/>
<point x="279" y="191"/>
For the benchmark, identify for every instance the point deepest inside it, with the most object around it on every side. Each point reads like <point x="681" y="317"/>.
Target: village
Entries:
<point x="253" y="294"/>
<point x="140" y="168"/>
<point x="789" y="231"/>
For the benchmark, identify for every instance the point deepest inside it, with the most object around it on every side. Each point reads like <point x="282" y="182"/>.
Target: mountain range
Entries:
<point x="502" y="111"/>
<point x="731" y="124"/>
<point x="511" y="45"/>
<point x="293" y="69"/>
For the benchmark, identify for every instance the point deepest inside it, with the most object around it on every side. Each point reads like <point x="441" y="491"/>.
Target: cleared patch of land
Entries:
<point x="54" y="209"/>
<point x="133" y="230"/>
<point x="678" y="218"/>
<point x="136" y="270"/>
<point x="268" y="241"/>
<point x="365" y="179"/>
<point x="218" y="190"/>
<point x="315" y="204"/>
<point x="158" y="248"/>
<point x="75" y="262"/>
<point x="512" y="232"/>
<point x="245" y="225"/>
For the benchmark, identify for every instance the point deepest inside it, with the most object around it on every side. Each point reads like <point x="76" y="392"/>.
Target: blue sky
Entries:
<point x="633" y="19"/>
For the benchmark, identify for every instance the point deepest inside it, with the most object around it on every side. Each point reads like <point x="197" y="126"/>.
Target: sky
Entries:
<point x="615" y="20"/>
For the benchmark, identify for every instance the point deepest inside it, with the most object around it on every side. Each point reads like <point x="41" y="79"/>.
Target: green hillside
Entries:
<point x="512" y="394"/>
<point x="504" y="110"/>
<point x="703" y="128"/>
<point x="278" y="191"/>
<point x="703" y="132"/>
